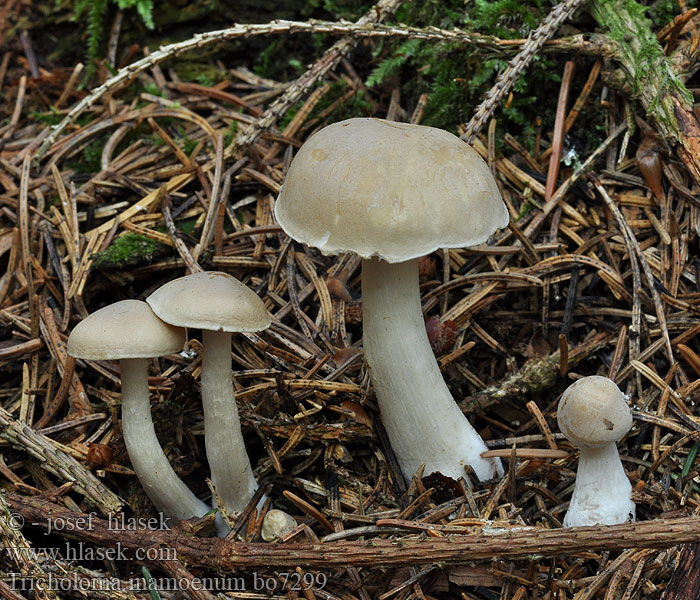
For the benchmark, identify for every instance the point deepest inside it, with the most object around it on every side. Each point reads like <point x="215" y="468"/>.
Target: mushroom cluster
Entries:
<point x="134" y="331"/>
<point x="391" y="193"/>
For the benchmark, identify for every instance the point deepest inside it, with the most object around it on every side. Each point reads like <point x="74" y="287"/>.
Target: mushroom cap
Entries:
<point x="210" y="300"/>
<point x="593" y="412"/>
<point x="387" y="189"/>
<point x="125" y="329"/>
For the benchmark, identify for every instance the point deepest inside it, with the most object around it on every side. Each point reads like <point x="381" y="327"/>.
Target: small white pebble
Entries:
<point x="276" y="524"/>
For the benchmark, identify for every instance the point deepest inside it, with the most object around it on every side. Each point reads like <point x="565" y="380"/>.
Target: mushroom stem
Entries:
<point x="165" y="489"/>
<point x="423" y="422"/>
<point x="602" y="493"/>
<point x="231" y="472"/>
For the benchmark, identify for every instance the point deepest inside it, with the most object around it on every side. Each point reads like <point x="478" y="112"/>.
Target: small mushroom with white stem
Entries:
<point x="219" y="305"/>
<point x="129" y="331"/>
<point x="391" y="193"/>
<point x="593" y="415"/>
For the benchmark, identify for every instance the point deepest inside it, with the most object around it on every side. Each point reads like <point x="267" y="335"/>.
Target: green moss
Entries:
<point x="647" y="72"/>
<point x="143" y="7"/>
<point x="663" y="11"/>
<point x="186" y="226"/>
<point x="338" y="9"/>
<point x="184" y="11"/>
<point x="231" y="133"/>
<point x="506" y="18"/>
<point x="127" y="250"/>
<point x="391" y="64"/>
<point x="153" y="89"/>
<point x="188" y="146"/>
<point x="200" y="72"/>
<point x="50" y="117"/>
<point x="284" y="57"/>
<point x="457" y="76"/>
<point x="267" y="59"/>
<point x="90" y="158"/>
<point x="95" y="12"/>
<point x="525" y="208"/>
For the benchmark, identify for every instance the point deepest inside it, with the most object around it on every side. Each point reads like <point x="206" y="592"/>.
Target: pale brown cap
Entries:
<point x="388" y="189"/>
<point x="593" y="412"/>
<point x="210" y="300"/>
<point x="126" y="329"/>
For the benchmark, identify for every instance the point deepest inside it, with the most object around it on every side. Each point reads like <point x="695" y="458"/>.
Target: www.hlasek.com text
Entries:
<point x="80" y="551"/>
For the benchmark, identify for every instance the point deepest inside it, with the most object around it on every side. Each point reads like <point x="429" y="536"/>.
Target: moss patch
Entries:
<point x="128" y="250"/>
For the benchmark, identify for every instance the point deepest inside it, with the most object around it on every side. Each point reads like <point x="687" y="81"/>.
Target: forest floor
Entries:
<point x="110" y="189"/>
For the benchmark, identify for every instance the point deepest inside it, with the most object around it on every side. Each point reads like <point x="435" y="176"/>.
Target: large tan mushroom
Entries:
<point x="391" y="193"/>
<point x="218" y="304"/>
<point x="129" y="331"/>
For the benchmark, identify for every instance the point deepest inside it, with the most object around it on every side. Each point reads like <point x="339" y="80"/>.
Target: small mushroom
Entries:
<point x="129" y="331"/>
<point x="593" y="415"/>
<point x="391" y="193"/>
<point x="218" y="304"/>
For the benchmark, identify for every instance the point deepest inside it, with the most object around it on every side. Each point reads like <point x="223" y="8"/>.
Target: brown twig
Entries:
<point x="535" y="375"/>
<point x="57" y="462"/>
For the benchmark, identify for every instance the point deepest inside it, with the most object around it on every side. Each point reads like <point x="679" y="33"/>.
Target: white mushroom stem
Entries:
<point x="231" y="472"/>
<point x="602" y="493"/>
<point x="165" y="489"/>
<point x="423" y="422"/>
